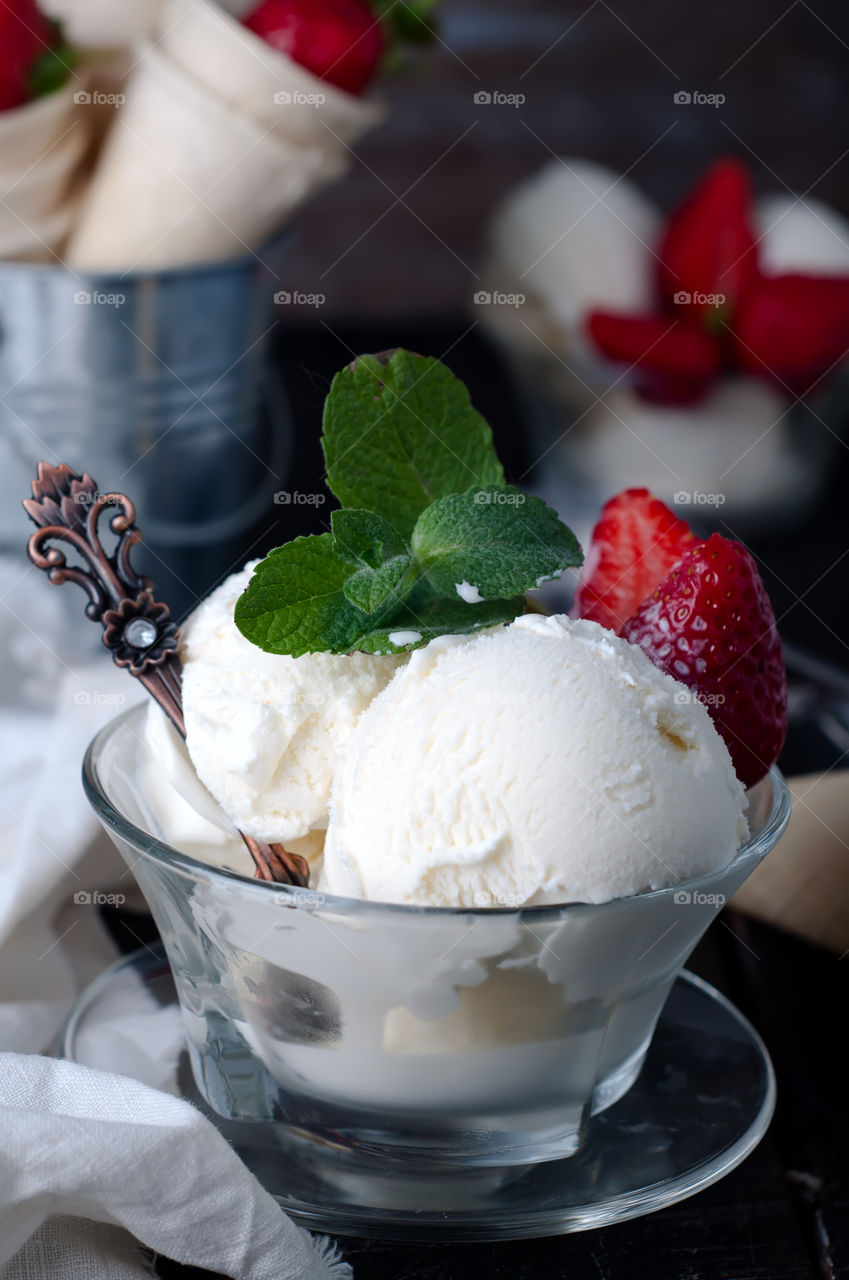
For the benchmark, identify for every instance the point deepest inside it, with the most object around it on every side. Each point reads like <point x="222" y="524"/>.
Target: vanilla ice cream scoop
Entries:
<point x="547" y="761"/>
<point x="263" y="729"/>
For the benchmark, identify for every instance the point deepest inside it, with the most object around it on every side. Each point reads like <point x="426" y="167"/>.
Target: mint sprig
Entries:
<point x="418" y="549"/>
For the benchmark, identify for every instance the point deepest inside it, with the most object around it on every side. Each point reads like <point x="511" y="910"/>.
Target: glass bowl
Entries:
<point x="432" y="1037"/>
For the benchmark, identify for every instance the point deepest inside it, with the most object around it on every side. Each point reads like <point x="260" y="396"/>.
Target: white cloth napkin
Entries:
<point x="86" y="1156"/>
<point x="86" y="1144"/>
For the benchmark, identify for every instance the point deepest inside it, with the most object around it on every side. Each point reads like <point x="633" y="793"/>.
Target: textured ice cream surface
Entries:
<point x="263" y="729"/>
<point x="546" y="761"/>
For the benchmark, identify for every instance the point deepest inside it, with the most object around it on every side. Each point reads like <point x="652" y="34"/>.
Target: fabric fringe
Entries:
<point x="331" y="1255"/>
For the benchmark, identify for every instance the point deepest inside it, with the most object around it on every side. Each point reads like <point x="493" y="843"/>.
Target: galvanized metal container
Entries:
<point x="159" y="385"/>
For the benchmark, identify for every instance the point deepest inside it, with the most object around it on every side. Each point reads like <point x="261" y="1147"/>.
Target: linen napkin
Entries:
<point x="86" y="1144"/>
<point x="86" y="1156"/>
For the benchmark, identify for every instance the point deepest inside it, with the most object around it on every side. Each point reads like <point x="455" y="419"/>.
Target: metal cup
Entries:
<point x="159" y="385"/>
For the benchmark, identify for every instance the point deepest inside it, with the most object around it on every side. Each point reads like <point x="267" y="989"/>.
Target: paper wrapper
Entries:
<point x="41" y="148"/>
<point x="101" y="24"/>
<point x="803" y="884"/>
<point x="28" y="132"/>
<point x="235" y="65"/>
<point x="183" y="179"/>
<point x="39" y="242"/>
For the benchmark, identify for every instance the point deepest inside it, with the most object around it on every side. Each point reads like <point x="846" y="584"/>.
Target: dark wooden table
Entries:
<point x="784" y="1213"/>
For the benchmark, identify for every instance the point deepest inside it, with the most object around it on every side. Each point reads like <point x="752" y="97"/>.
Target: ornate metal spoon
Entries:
<point x="138" y="631"/>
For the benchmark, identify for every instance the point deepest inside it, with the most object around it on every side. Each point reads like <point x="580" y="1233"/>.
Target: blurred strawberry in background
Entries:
<point x="341" y="41"/>
<point x="34" y="59"/>
<point x="718" y="311"/>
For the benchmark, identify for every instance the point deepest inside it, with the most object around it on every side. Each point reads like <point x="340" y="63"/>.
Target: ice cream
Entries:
<point x="547" y="761"/>
<point x="263" y="730"/>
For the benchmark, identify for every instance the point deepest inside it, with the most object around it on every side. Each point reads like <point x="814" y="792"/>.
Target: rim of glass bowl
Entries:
<point x="751" y="852"/>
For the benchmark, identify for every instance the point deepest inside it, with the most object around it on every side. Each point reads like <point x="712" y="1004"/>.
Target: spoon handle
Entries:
<point x="138" y="630"/>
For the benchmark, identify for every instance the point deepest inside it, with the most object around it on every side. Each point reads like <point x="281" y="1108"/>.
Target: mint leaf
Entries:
<point x="295" y="601"/>
<point x="383" y="589"/>
<point x="364" y="539"/>
<point x="384" y="567"/>
<point x="412" y="629"/>
<point x="400" y="432"/>
<point x="491" y="543"/>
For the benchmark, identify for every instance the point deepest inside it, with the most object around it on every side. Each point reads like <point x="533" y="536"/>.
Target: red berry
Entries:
<point x="634" y="545"/>
<point x="340" y="41"/>
<point x="673" y="361"/>
<point x="710" y="625"/>
<point x="708" y="247"/>
<point x="793" y="329"/>
<point x="25" y="36"/>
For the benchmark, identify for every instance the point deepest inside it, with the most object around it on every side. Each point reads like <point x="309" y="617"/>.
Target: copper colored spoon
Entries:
<point x="138" y="631"/>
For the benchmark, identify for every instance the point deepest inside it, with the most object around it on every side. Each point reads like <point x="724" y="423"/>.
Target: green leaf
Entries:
<point x="492" y="543"/>
<point x="295" y="601"/>
<point x="383" y="589"/>
<point x="53" y="67"/>
<point x="385" y="573"/>
<point x="364" y="539"/>
<point x="400" y="432"/>
<point x="412" y="628"/>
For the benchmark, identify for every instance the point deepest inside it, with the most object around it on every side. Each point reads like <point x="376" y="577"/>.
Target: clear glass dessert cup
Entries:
<point x="433" y="1037"/>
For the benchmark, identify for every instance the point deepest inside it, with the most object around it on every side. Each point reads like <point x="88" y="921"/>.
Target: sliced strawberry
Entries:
<point x="708" y="246"/>
<point x="792" y="329"/>
<point x="673" y="361"/>
<point x="634" y="545"/>
<point x="710" y="625"/>
<point x="340" y="41"/>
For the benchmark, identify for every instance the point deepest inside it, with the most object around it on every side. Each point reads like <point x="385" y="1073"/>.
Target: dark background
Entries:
<point x="395" y="247"/>
<point x="403" y="234"/>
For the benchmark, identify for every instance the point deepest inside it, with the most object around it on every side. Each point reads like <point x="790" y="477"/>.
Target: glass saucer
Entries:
<point x="701" y="1104"/>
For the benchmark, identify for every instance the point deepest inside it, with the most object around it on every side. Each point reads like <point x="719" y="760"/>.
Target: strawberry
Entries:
<point x="634" y="545"/>
<point x="341" y="41"/>
<point x="710" y="625"/>
<point x="26" y="35"/>
<point x="708" y="246"/>
<point x="793" y="329"/>
<point x="672" y="362"/>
